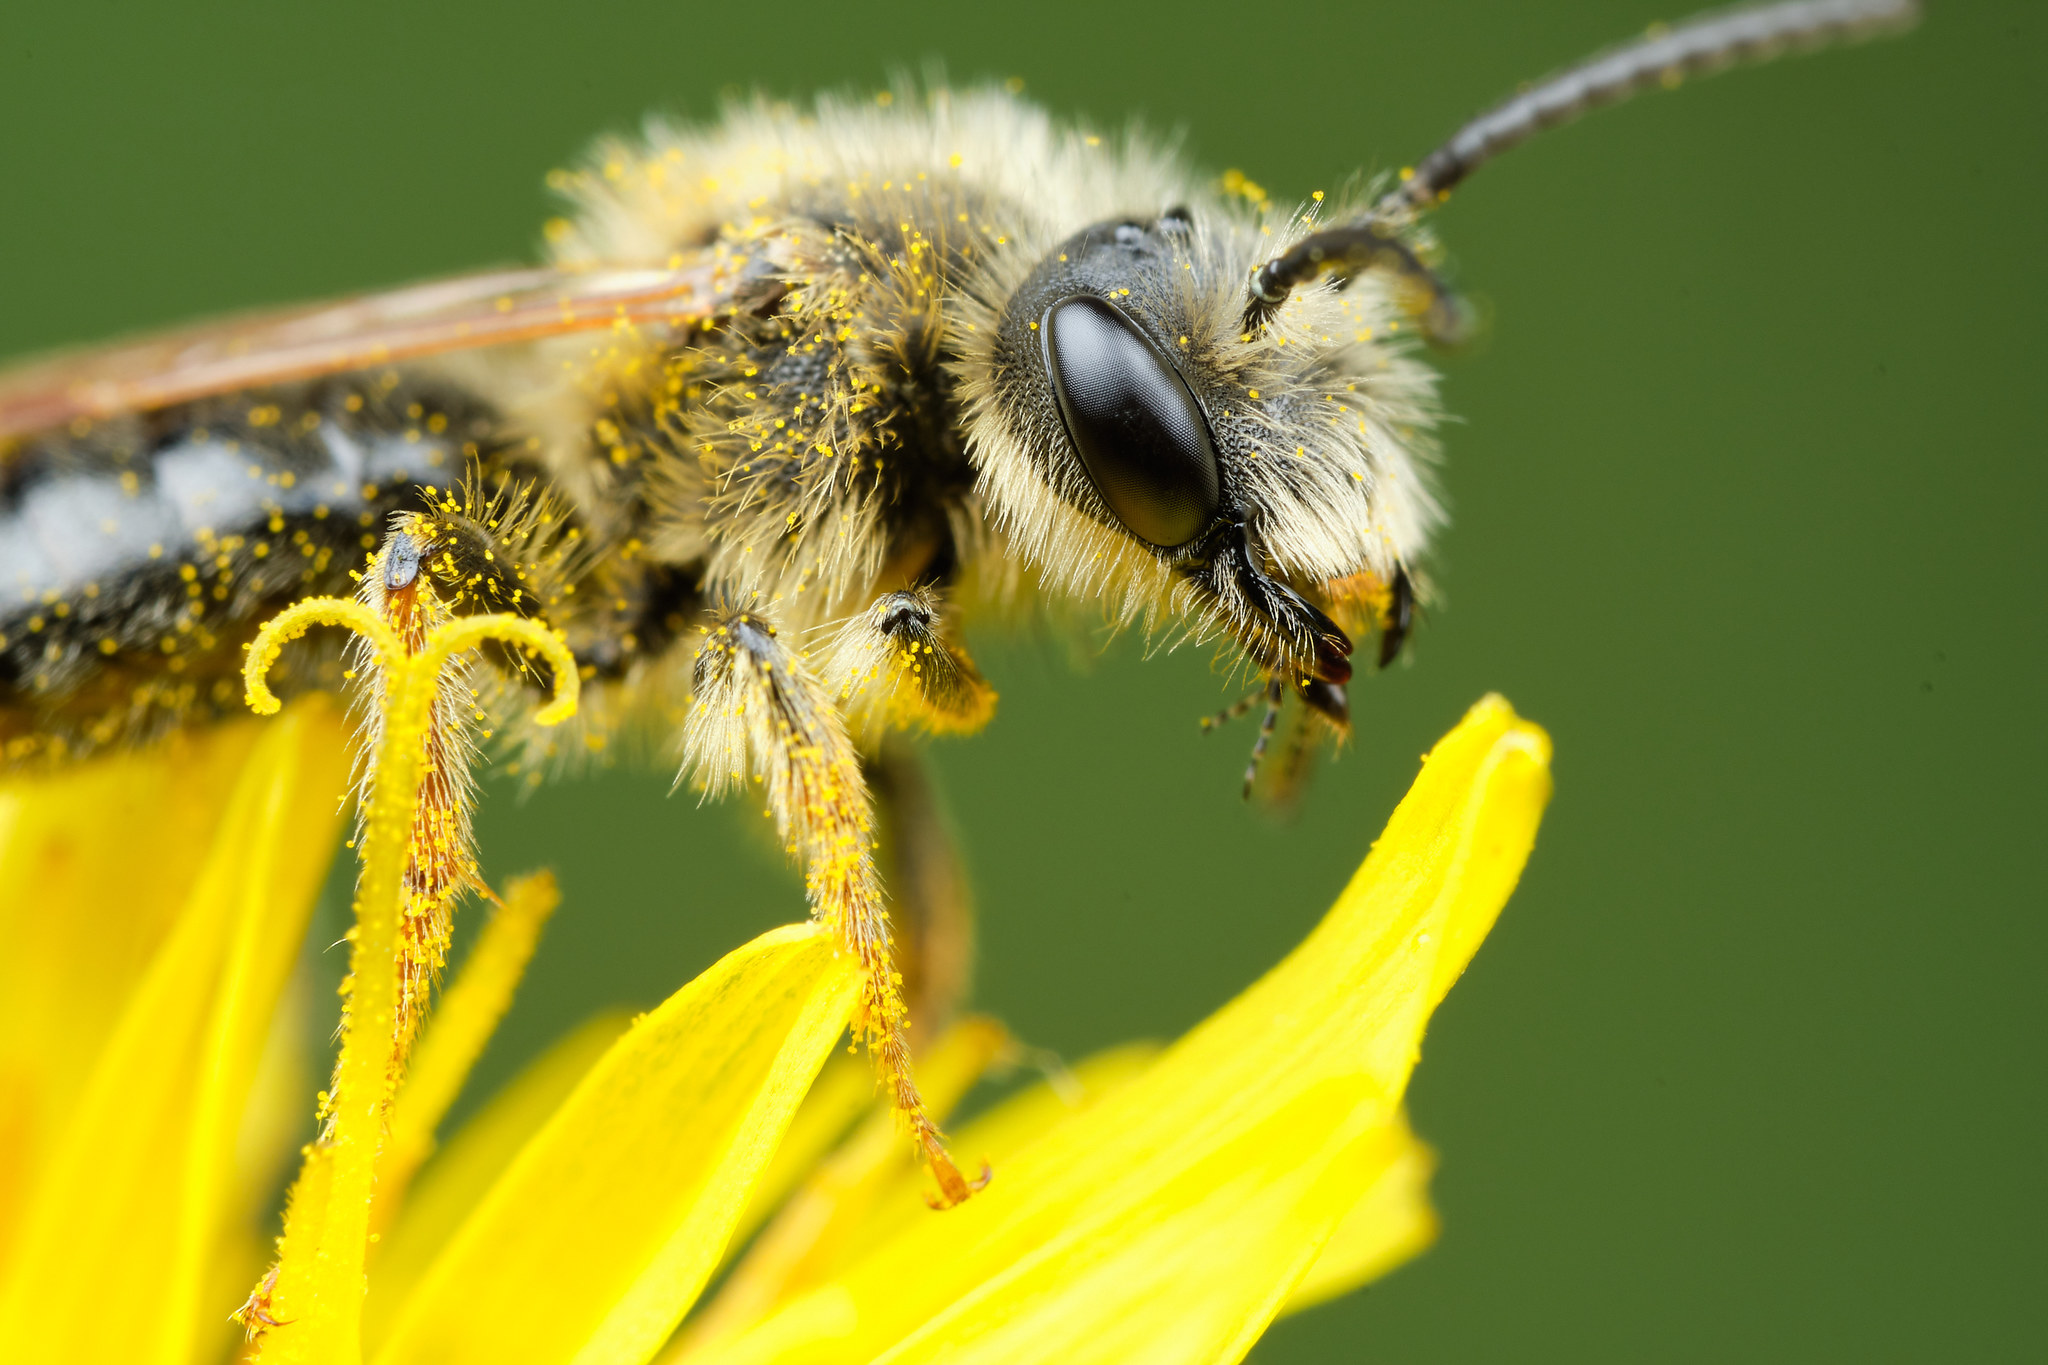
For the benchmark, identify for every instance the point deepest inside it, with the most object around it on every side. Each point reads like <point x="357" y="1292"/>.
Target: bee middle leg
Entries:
<point x="759" y="711"/>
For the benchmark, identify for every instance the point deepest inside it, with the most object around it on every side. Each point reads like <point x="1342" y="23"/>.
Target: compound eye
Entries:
<point x="1136" y="427"/>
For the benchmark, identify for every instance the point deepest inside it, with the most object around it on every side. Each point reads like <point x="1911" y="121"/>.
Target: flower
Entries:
<point x="1154" y="1205"/>
<point x="151" y="911"/>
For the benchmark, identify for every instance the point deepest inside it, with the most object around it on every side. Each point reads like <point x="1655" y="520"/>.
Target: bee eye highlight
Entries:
<point x="1128" y="412"/>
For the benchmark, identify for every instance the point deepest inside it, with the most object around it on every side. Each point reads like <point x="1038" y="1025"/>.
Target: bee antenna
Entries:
<point x="1701" y="46"/>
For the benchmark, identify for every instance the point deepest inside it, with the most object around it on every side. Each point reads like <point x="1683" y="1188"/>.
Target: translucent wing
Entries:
<point x="462" y="313"/>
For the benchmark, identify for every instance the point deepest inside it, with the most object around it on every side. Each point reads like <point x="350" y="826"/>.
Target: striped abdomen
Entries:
<point x="138" y="555"/>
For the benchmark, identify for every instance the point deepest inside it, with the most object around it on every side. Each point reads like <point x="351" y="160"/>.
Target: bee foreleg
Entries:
<point x="900" y="665"/>
<point x="759" y="711"/>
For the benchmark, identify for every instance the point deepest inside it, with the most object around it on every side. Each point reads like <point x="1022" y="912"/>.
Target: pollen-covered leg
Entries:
<point x="473" y="551"/>
<point x="255" y="1316"/>
<point x="759" y="712"/>
<point x="319" y="1272"/>
<point x="899" y="665"/>
<point x="441" y="861"/>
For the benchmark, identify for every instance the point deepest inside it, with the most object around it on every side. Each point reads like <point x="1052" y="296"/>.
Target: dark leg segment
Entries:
<point x="929" y="902"/>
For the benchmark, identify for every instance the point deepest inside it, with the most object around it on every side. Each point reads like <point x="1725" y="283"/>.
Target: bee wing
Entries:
<point x="458" y="314"/>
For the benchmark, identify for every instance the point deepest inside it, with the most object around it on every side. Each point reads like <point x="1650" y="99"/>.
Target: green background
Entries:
<point x="1748" y="485"/>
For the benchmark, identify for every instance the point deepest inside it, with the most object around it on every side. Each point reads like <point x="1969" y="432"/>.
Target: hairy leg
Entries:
<point x="900" y="665"/>
<point x="897" y="666"/>
<point x="759" y="711"/>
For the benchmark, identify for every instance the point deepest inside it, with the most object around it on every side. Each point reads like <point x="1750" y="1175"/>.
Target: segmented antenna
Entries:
<point x="1700" y="46"/>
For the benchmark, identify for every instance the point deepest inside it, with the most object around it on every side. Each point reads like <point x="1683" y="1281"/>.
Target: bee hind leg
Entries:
<point x="759" y="711"/>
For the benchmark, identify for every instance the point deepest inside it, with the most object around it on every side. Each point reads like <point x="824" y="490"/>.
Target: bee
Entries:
<point x="796" y="397"/>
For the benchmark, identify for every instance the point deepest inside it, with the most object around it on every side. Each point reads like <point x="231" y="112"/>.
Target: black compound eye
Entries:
<point x="1132" y="420"/>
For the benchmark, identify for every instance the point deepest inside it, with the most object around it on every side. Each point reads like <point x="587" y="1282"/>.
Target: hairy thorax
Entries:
<point x="857" y="417"/>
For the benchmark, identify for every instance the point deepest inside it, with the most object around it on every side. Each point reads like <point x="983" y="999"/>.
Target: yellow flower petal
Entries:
<point x="125" y="1224"/>
<point x="1192" y="1273"/>
<point x="1392" y="1222"/>
<point x="1345" y="1010"/>
<point x="600" y="1235"/>
<point x="995" y="1137"/>
<point x="813" y="1227"/>
<point x="901" y="1200"/>
<point x="843" y="1092"/>
<point x="464" y="1170"/>
<point x="463" y="1021"/>
<point x="96" y="862"/>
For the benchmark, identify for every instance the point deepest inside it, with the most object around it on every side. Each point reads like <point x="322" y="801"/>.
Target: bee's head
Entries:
<point x="1203" y="410"/>
<point x="1137" y="437"/>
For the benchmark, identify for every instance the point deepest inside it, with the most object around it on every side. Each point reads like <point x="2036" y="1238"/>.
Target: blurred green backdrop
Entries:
<point x="1748" y="489"/>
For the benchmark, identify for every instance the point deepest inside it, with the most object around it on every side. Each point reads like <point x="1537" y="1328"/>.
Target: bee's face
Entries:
<point x="1238" y="471"/>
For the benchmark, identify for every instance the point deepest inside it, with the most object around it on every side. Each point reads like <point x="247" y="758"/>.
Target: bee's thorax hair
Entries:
<point x="876" y="414"/>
